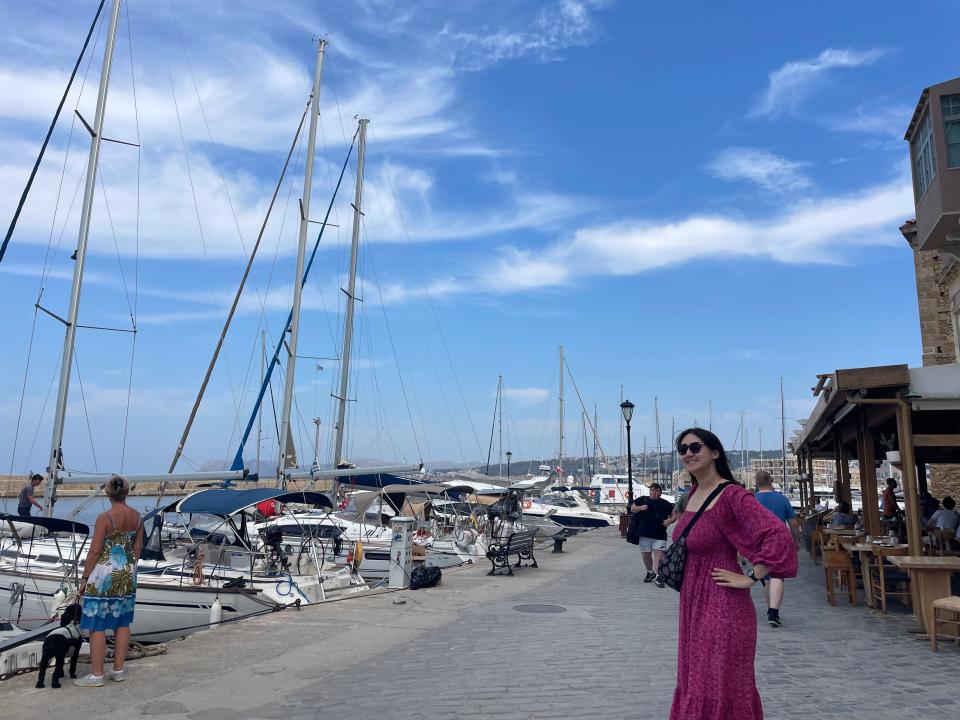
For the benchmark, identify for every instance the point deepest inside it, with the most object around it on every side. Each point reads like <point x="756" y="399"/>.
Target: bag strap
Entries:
<point x="706" y="503"/>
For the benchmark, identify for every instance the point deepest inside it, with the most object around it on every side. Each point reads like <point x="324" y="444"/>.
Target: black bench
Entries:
<point x="518" y="543"/>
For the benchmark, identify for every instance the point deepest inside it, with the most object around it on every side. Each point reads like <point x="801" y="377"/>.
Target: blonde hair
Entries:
<point x="117" y="488"/>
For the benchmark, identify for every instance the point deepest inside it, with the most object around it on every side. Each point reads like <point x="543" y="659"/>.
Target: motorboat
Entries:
<point x="566" y="508"/>
<point x="449" y="530"/>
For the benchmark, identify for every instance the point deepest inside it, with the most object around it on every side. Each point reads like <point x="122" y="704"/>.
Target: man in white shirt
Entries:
<point x="946" y="518"/>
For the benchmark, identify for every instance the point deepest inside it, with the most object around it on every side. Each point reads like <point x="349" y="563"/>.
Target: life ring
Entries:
<point x="527" y="504"/>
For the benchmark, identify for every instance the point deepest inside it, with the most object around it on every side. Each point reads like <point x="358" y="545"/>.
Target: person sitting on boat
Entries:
<point x="109" y="582"/>
<point x="841" y="516"/>
<point x="26" y="497"/>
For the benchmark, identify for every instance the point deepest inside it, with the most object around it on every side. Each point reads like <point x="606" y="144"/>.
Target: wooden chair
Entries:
<point x="837" y="563"/>
<point x="940" y="541"/>
<point x="888" y="580"/>
<point x="950" y="605"/>
<point x="817" y="538"/>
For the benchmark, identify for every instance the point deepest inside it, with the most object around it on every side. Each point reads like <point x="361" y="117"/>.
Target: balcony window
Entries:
<point x="924" y="163"/>
<point x="950" y="109"/>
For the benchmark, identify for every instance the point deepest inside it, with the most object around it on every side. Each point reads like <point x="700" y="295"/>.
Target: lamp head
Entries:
<point x="627" y="407"/>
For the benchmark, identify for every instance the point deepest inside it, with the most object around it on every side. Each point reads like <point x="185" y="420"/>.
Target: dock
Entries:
<point x="581" y="636"/>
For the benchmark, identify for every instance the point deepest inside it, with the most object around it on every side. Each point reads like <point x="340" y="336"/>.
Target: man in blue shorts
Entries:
<point x="779" y="505"/>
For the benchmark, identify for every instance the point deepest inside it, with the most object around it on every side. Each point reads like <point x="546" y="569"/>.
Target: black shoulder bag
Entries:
<point x="674" y="560"/>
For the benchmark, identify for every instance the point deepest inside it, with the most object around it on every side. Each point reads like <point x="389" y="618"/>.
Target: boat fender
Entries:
<point x="216" y="612"/>
<point x="59" y="598"/>
<point x="527" y="504"/>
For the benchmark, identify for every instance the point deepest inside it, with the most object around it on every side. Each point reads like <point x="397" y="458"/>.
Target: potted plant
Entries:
<point x="889" y="442"/>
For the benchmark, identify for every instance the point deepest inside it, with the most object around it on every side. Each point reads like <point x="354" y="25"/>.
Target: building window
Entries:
<point x="924" y="164"/>
<point x="950" y="109"/>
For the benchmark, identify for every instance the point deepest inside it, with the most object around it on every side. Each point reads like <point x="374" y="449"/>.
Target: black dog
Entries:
<point x="58" y="642"/>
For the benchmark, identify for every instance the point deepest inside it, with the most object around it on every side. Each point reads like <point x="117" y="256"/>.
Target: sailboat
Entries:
<point x="199" y="583"/>
<point x="561" y="504"/>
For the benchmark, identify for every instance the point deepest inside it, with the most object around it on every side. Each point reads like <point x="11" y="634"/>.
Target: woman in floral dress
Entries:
<point x="109" y="582"/>
<point x="718" y="621"/>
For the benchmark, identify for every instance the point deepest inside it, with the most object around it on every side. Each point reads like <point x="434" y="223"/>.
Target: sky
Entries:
<point x="694" y="200"/>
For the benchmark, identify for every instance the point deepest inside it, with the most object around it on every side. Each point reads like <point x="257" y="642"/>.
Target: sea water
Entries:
<point x="88" y="515"/>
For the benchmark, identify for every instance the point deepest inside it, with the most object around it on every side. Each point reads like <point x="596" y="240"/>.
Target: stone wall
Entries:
<point x="934" y="273"/>
<point x="945" y="480"/>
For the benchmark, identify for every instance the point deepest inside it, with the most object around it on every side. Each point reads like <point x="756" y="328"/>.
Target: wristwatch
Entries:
<point x="753" y="576"/>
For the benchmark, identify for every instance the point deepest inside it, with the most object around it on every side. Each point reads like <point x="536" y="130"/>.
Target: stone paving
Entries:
<point x="464" y="650"/>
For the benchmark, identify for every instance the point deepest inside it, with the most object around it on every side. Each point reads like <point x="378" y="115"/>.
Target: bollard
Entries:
<point x="401" y="552"/>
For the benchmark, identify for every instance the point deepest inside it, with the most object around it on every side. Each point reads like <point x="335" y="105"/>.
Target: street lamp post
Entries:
<point x="509" y="455"/>
<point x="627" y="407"/>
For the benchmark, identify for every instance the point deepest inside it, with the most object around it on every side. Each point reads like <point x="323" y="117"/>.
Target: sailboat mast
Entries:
<point x="351" y="290"/>
<point x="560" y="458"/>
<point x="288" y="385"/>
<point x="746" y="443"/>
<point x="783" y="440"/>
<point x="594" y="428"/>
<point x="263" y="360"/>
<point x="500" y="425"/>
<point x="656" y="414"/>
<point x="673" y="450"/>
<point x="70" y="335"/>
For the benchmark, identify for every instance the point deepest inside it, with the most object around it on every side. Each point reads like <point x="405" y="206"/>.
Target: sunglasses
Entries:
<point x="693" y="447"/>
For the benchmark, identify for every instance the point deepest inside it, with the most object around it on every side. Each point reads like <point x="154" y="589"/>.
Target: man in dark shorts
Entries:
<point x="778" y="504"/>
<point x="25" y="499"/>
<point x="655" y="515"/>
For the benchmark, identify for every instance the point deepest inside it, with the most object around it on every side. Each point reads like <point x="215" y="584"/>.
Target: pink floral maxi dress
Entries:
<point x="718" y="625"/>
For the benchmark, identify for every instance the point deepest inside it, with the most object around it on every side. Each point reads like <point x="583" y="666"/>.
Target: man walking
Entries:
<point x="654" y="516"/>
<point x="25" y="499"/>
<point x="779" y="505"/>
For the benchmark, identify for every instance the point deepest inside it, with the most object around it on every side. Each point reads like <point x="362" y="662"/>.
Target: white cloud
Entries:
<point x="771" y="172"/>
<point x="794" y="81"/>
<point x="807" y="232"/>
<point x="884" y="121"/>
<point x="565" y="24"/>
<point x="526" y="396"/>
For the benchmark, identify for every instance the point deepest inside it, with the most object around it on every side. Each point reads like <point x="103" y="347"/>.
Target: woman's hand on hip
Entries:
<point x="726" y="578"/>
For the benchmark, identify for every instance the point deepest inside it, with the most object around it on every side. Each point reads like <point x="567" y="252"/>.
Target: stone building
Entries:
<point x="934" y="138"/>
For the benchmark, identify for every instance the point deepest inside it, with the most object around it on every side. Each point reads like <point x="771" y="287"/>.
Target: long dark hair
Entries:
<point x="714" y="444"/>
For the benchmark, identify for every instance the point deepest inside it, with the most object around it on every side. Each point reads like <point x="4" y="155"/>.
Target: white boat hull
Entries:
<point x="163" y="611"/>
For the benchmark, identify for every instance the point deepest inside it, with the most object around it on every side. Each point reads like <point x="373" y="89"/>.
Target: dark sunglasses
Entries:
<point x="693" y="447"/>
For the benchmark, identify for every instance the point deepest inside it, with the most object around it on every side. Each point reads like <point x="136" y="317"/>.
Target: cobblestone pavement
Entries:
<point x="464" y="650"/>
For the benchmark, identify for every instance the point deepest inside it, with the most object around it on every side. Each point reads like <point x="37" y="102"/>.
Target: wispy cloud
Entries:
<point x="771" y="172"/>
<point x="790" y="84"/>
<point x="527" y="395"/>
<point x="807" y="232"/>
<point x="561" y="25"/>
<point x="885" y="121"/>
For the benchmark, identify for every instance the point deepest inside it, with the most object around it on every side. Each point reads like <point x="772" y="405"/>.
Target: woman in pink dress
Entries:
<point x="718" y="621"/>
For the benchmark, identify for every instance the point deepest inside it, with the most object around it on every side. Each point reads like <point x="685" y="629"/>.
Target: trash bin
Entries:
<point x="624" y="522"/>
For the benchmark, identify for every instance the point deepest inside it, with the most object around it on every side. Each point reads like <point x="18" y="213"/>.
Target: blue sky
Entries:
<point x="694" y="200"/>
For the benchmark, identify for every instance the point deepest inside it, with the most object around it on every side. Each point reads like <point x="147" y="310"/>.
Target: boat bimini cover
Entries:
<point x="225" y="502"/>
<point x="53" y="525"/>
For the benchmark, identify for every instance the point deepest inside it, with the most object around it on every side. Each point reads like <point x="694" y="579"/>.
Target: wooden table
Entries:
<point x="840" y="534"/>
<point x="866" y="554"/>
<point x="865" y="550"/>
<point x="931" y="576"/>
